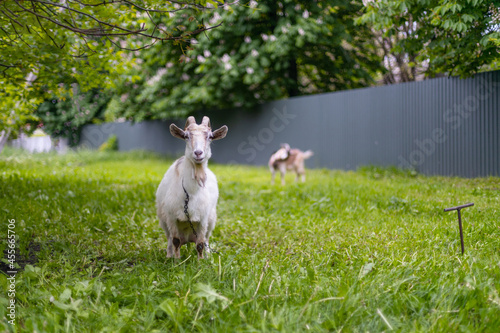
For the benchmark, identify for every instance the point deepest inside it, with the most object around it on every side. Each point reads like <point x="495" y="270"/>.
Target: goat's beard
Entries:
<point x="199" y="174"/>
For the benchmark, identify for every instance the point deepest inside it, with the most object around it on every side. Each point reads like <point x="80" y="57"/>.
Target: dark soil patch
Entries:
<point x="22" y="260"/>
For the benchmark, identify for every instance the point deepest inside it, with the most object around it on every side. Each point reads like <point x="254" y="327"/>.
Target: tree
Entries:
<point x="442" y="36"/>
<point x="397" y="45"/>
<point x="467" y="40"/>
<point x="77" y="40"/>
<point x="16" y="108"/>
<point x="61" y="43"/>
<point x="65" y="116"/>
<point x="262" y="52"/>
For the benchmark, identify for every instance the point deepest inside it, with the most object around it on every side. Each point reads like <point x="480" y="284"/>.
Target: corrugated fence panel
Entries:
<point x="446" y="126"/>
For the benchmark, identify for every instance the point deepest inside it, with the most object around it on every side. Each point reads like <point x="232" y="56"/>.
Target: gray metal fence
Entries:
<point x="445" y="126"/>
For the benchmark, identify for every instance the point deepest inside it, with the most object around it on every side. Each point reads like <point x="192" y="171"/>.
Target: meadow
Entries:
<point x="364" y="251"/>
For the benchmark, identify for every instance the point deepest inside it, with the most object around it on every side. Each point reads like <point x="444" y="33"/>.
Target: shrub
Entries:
<point x="66" y="116"/>
<point x="110" y="145"/>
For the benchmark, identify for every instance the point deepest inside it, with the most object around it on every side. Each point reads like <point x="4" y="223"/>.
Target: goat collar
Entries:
<point x="186" y="203"/>
<point x="186" y="212"/>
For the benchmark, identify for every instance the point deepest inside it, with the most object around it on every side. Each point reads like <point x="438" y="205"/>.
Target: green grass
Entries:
<point x="361" y="251"/>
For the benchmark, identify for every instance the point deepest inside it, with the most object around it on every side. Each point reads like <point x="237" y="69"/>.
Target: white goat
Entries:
<point x="189" y="179"/>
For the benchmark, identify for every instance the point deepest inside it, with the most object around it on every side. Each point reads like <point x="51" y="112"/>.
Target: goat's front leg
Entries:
<point x="166" y="225"/>
<point x="199" y="247"/>
<point x="170" y="247"/>
<point x="283" y="172"/>
<point x="174" y="247"/>
<point x="201" y="240"/>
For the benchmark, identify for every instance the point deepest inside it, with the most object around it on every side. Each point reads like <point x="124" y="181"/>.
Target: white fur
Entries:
<point x="200" y="183"/>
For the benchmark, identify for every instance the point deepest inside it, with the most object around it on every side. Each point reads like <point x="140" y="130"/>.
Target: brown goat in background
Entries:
<point x="291" y="159"/>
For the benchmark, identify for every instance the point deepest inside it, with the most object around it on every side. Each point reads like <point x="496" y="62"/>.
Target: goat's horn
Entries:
<point x="206" y="121"/>
<point x="190" y="121"/>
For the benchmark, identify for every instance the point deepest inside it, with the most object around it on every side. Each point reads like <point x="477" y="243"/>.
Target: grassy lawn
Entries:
<point x="361" y="251"/>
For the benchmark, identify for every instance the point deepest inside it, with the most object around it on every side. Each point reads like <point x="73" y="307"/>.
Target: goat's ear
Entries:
<point x="177" y="132"/>
<point x="220" y="133"/>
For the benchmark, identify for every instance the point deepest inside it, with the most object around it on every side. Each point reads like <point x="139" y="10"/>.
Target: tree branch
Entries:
<point x="12" y="19"/>
<point x="130" y="3"/>
<point x="45" y="31"/>
<point x="92" y="31"/>
<point x="19" y="36"/>
<point x="105" y="32"/>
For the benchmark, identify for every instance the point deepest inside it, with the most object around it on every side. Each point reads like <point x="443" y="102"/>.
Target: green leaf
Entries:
<point x="264" y="62"/>
<point x="65" y="295"/>
<point x="299" y="42"/>
<point x="61" y="306"/>
<point x="169" y="307"/>
<point x="209" y="294"/>
<point x="367" y="268"/>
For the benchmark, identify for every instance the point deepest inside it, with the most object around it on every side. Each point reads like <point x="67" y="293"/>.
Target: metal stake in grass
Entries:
<point x="457" y="208"/>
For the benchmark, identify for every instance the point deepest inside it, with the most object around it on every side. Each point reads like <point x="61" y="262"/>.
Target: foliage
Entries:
<point x="396" y="42"/>
<point x="16" y="107"/>
<point x="110" y="145"/>
<point x="470" y="40"/>
<point x="262" y="52"/>
<point x="66" y="116"/>
<point x="346" y="251"/>
<point x="77" y="41"/>
<point x="50" y="45"/>
<point x="454" y="37"/>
